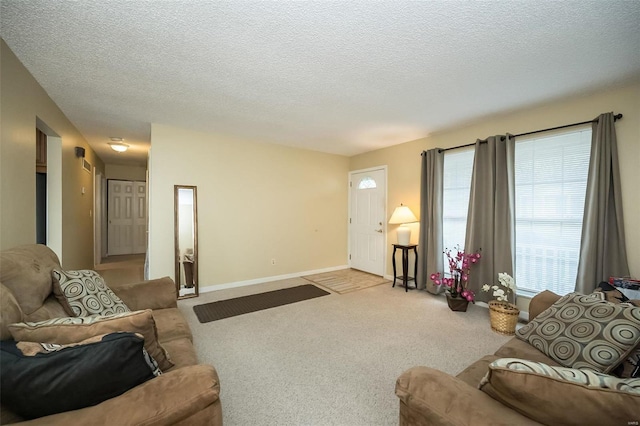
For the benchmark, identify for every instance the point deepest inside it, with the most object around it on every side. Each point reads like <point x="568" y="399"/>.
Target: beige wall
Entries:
<point x="117" y="171"/>
<point x="404" y="160"/>
<point x="256" y="202"/>
<point x="22" y="100"/>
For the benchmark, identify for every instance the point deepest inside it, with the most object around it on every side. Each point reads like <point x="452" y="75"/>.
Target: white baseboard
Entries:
<point x="237" y="284"/>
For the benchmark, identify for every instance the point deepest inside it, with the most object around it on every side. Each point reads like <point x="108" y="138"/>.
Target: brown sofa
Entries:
<point x="431" y="397"/>
<point x="186" y="394"/>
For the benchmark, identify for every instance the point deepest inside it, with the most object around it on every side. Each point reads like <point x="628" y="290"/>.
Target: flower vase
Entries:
<point x="503" y="317"/>
<point x="455" y="288"/>
<point x="458" y="304"/>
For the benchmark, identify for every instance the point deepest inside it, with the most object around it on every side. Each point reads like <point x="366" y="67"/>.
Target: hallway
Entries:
<point x="122" y="269"/>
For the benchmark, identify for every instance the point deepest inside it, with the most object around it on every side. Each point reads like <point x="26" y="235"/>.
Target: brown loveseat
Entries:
<point x="186" y="394"/>
<point x="431" y="397"/>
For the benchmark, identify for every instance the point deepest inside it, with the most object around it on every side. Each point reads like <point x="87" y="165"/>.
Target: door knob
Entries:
<point x="379" y="230"/>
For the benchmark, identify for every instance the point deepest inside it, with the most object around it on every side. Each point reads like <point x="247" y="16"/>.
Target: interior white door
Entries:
<point x="121" y="215"/>
<point x="367" y="228"/>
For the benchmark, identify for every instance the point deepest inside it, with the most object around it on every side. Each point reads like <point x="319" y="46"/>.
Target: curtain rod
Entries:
<point x="616" y="117"/>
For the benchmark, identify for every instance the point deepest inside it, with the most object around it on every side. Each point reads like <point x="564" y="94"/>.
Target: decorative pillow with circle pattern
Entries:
<point x="84" y="293"/>
<point x="585" y="331"/>
<point x="630" y="367"/>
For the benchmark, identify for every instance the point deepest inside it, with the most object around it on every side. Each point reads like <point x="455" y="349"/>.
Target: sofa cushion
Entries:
<point x="444" y="400"/>
<point x="550" y="395"/>
<point x="171" y="325"/>
<point x="516" y="348"/>
<point x="26" y="271"/>
<point x="72" y="377"/>
<point x="84" y="293"/>
<point x="76" y="329"/>
<point x="585" y="331"/>
<point x="51" y="308"/>
<point x="476" y="371"/>
<point x="182" y="351"/>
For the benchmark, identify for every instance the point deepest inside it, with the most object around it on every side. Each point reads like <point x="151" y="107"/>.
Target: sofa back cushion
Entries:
<point x="26" y="271"/>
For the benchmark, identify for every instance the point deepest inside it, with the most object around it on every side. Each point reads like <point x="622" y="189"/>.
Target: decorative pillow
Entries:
<point x="584" y="331"/>
<point x="72" y="377"/>
<point x="551" y="395"/>
<point x="83" y="293"/>
<point x="630" y="367"/>
<point x="76" y="329"/>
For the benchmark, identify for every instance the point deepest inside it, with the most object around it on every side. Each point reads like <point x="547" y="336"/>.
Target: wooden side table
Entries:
<point x="405" y="265"/>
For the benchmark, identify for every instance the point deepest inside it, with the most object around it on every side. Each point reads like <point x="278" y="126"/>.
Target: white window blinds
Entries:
<point x="551" y="180"/>
<point x="458" y="166"/>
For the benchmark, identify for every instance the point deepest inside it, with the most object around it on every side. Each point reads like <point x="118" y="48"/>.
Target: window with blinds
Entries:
<point x="551" y="181"/>
<point x="458" y="166"/>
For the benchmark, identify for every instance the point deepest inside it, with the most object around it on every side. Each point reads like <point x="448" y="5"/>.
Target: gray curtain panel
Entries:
<point x="602" y="248"/>
<point x="430" y="248"/>
<point x="491" y="217"/>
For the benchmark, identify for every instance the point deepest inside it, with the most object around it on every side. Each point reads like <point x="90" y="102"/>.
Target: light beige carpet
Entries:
<point x="333" y="360"/>
<point x="346" y="280"/>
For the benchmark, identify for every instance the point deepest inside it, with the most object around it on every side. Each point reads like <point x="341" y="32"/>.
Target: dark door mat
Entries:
<point x="256" y="302"/>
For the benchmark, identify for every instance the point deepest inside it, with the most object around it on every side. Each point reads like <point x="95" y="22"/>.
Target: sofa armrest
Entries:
<point x="541" y="302"/>
<point x="163" y="400"/>
<point x="442" y="399"/>
<point x="153" y="294"/>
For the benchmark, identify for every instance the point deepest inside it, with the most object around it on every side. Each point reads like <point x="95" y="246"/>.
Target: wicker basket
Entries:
<point x="504" y="317"/>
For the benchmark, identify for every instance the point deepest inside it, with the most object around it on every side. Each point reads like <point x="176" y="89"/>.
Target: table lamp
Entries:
<point x="403" y="215"/>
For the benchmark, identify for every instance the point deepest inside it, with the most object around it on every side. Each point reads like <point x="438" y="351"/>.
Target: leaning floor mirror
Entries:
<point x="186" y="240"/>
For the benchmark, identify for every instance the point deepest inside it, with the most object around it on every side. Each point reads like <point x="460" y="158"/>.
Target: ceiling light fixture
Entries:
<point x="117" y="144"/>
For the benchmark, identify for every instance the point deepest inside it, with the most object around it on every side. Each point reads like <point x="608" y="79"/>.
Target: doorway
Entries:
<point x="48" y="146"/>
<point x="41" y="187"/>
<point x="367" y="219"/>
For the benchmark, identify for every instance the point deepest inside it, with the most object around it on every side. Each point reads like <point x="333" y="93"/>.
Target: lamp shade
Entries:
<point x="402" y="214"/>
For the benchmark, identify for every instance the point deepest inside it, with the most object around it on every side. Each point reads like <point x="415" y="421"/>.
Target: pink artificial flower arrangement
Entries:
<point x="460" y="266"/>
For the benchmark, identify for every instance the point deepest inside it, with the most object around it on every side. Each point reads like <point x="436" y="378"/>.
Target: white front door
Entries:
<point x="367" y="227"/>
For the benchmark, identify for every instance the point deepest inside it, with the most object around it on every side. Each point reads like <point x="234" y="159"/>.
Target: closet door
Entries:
<point x="121" y="217"/>
<point x="127" y="217"/>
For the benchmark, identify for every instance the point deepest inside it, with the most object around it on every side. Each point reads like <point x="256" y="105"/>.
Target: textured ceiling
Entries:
<point x="339" y="77"/>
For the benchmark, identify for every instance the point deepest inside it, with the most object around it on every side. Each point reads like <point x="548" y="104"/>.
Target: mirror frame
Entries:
<point x="196" y="279"/>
